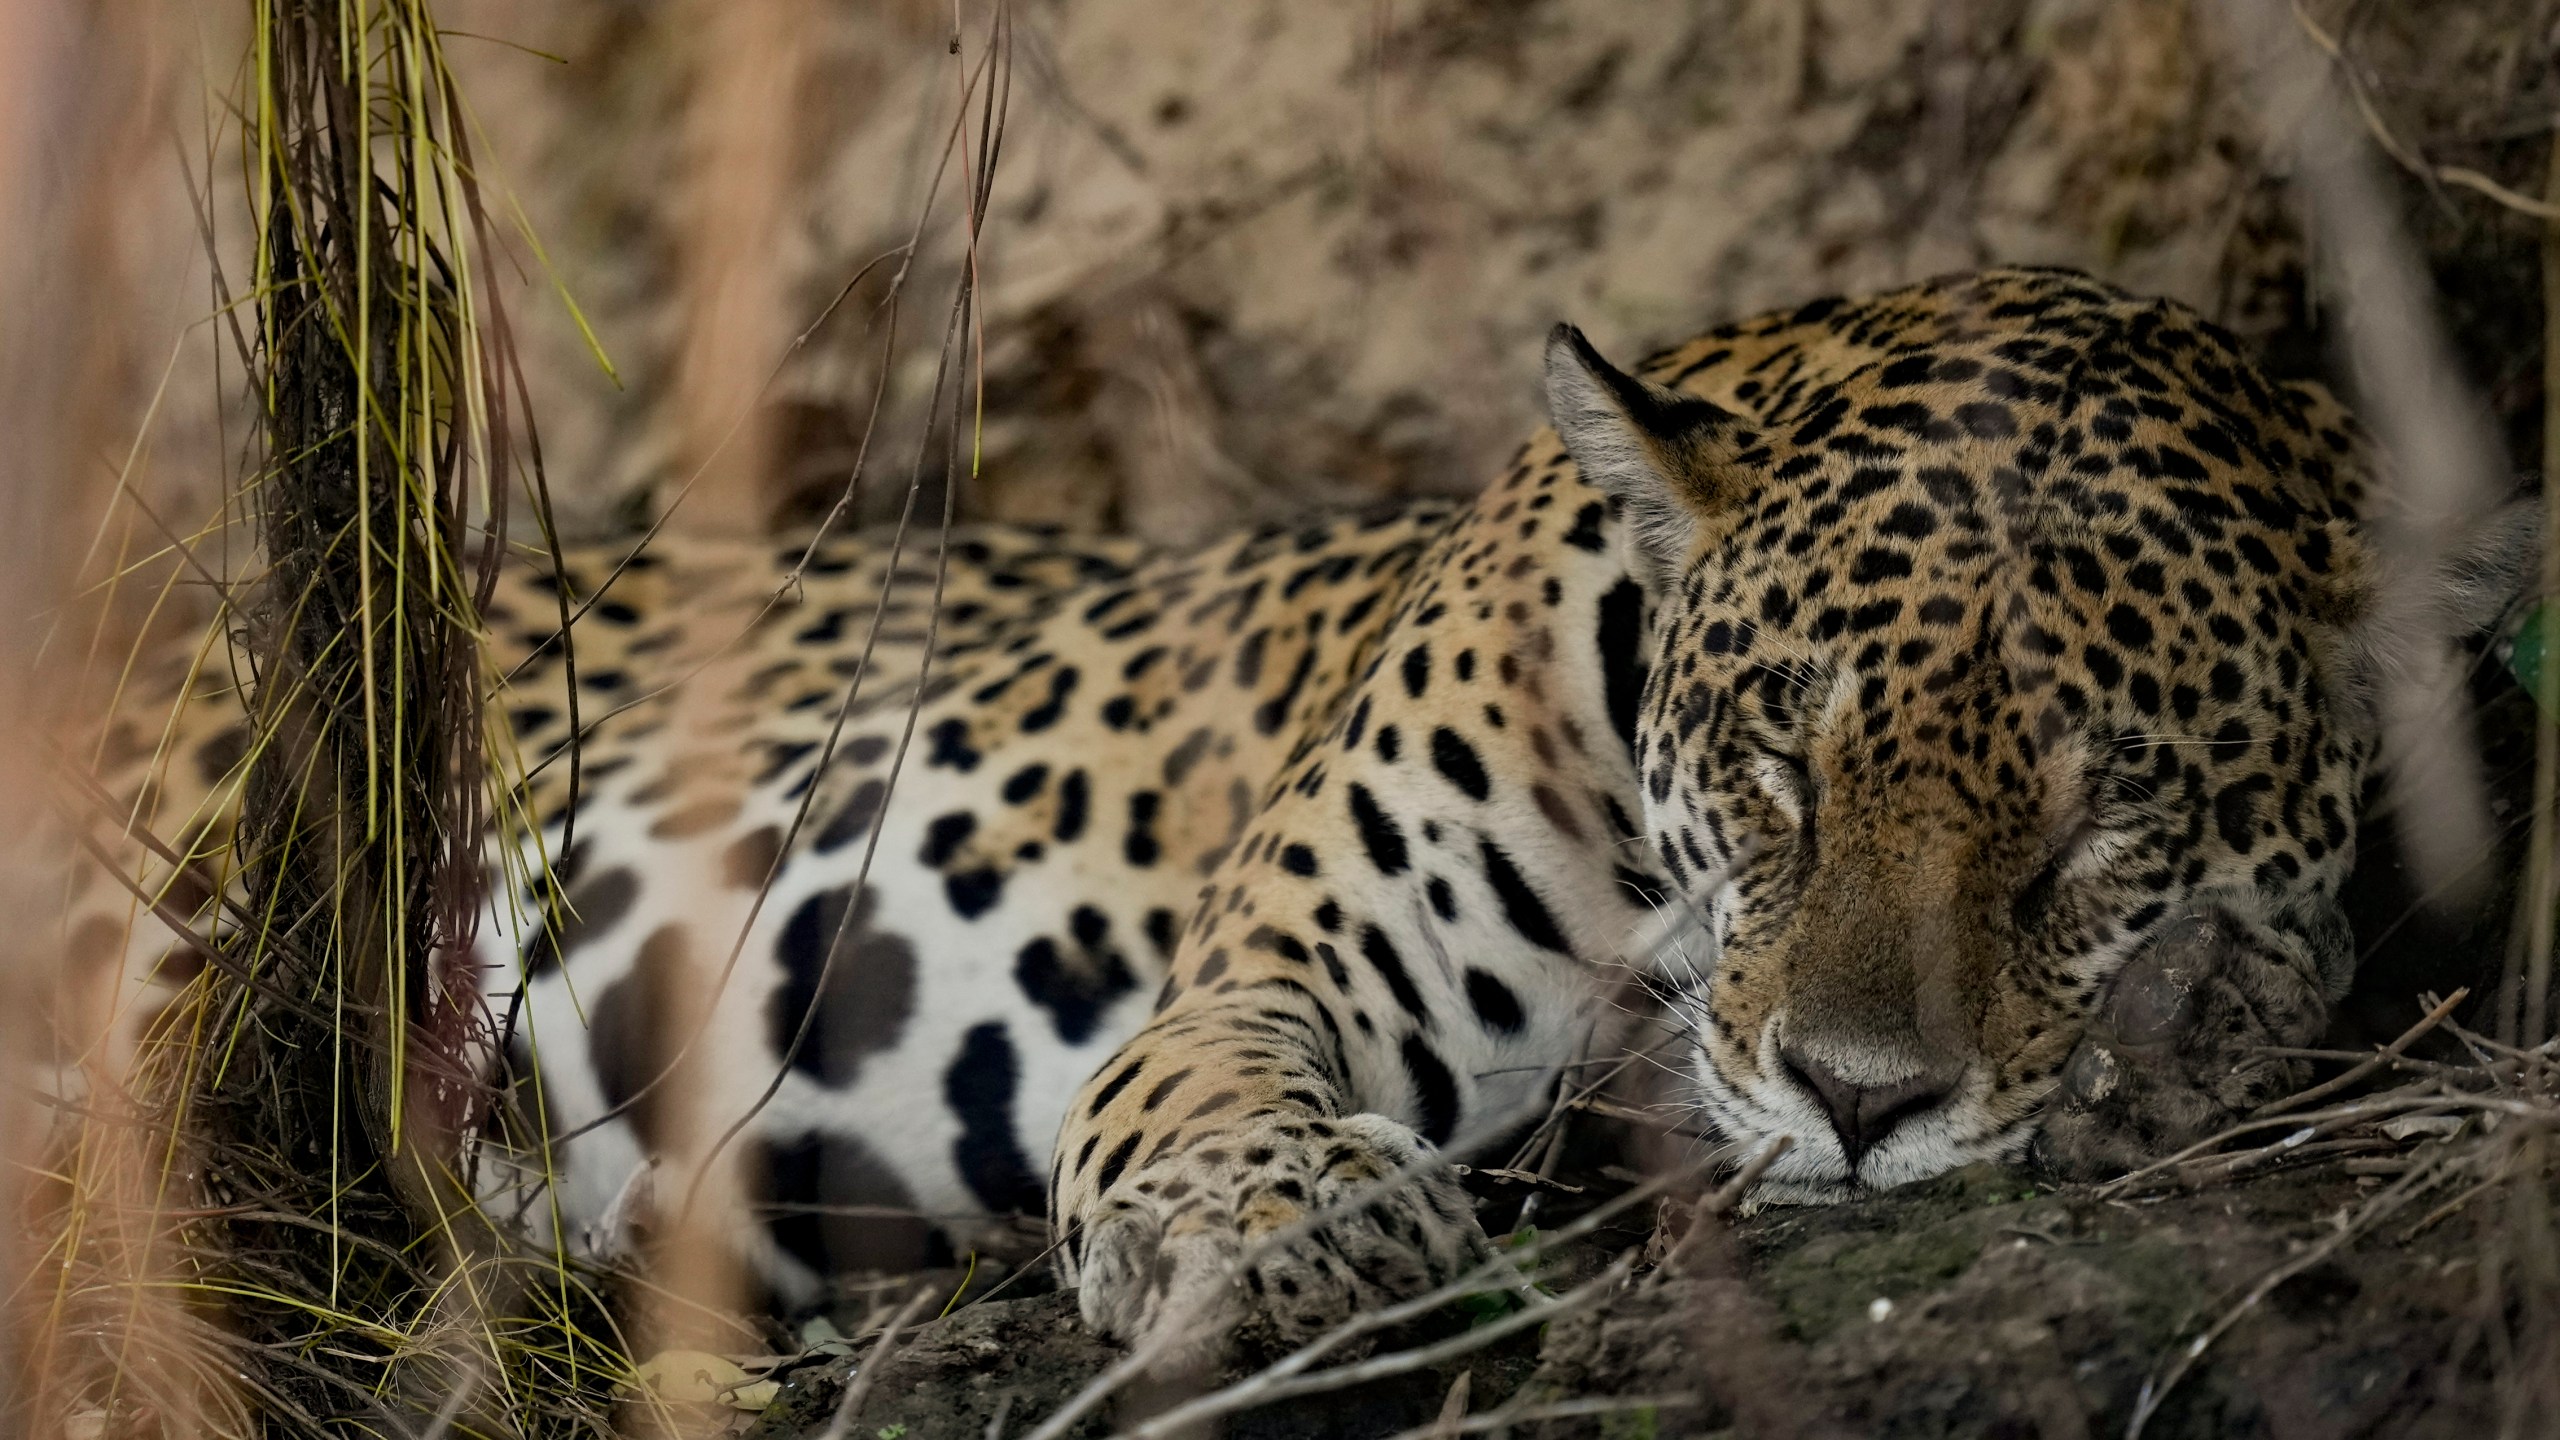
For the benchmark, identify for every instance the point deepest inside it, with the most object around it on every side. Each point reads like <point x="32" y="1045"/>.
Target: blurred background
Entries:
<point x="1252" y="258"/>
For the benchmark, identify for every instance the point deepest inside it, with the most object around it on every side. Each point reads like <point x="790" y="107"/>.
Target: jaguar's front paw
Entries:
<point x="1296" y="1222"/>
<point x="2176" y="1051"/>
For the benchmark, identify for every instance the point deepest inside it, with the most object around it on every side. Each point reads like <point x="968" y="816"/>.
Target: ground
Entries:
<point x="1984" y="1303"/>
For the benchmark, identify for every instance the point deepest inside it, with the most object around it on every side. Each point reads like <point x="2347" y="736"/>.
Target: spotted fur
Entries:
<point x="1876" y="679"/>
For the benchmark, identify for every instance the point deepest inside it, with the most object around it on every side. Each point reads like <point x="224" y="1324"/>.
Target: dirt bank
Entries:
<point x="1984" y="1303"/>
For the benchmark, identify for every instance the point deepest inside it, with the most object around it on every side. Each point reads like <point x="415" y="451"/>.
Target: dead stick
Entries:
<point x="1559" y="1410"/>
<point x="1268" y="1388"/>
<point x="858" y="1388"/>
<point x="2313" y="1125"/>
<point x="2380" y="1208"/>
<point x="2389" y="1053"/>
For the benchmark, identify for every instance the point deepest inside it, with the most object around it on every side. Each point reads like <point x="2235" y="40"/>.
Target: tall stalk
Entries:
<point x="356" y="1276"/>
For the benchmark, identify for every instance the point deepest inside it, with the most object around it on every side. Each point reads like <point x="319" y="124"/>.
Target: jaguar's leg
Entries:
<point x="1215" y="1171"/>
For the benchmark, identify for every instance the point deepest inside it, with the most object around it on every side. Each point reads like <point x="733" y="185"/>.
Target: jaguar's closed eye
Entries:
<point x="1790" y="769"/>
<point x="1789" y="782"/>
<point x="2035" y="898"/>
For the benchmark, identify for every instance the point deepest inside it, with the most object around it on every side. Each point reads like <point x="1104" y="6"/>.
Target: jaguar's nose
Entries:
<point x="1863" y="1115"/>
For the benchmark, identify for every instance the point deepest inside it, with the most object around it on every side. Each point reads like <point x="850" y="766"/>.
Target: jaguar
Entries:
<point x="1943" y="713"/>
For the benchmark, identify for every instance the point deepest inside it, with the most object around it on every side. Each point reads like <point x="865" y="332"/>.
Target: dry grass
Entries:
<point x="264" y="1224"/>
<point x="2464" y="1135"/>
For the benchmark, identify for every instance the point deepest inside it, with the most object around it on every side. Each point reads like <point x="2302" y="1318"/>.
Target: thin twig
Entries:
<point x="2311" y="1125"/>
<point x="2406" y="155"/>
<point x="2380" y="1208"/>
<point x="2451" y="1207"/>
<point x="1517" y="1414"/>
<point x="2388" y="1054"/>
<point x="1269" y="1386"/>
<point x="810" y="791"/>
<point x="1719" y="1203"/>
<point x="1453" y="1405"/>
<point x="2196" y="1174"/>
<point x="867" y="1373"/>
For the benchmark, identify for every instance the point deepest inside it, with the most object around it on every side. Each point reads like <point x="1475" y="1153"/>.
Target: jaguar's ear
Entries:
<point x="1667" y="458"/>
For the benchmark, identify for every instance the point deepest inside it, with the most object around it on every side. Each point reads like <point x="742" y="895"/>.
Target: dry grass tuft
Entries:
<point x="267" y="1224"/>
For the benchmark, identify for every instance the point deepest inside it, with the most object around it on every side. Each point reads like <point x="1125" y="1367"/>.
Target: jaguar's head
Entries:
<point x="1972" y="668"/>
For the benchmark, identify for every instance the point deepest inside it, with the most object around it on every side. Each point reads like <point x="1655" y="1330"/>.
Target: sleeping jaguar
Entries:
<point x="1946" y="708"/>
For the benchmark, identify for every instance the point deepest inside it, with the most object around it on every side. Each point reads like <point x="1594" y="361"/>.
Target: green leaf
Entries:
<point x="2528" y="654"/>
<point x="1641" y="1423"/>
<point x="1485" y="1308"/>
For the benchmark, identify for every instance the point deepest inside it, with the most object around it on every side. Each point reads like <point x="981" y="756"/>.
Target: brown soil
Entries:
<point x="1983" y="1303"/>
<point x="1250" y="260"/>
